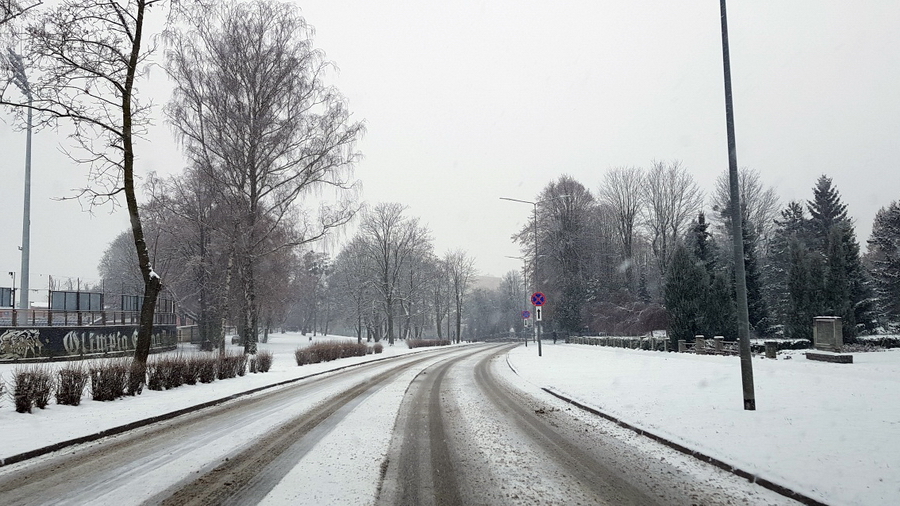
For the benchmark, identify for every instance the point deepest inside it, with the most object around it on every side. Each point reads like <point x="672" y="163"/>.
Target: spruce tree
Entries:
<point x="756" y="305"/>
<point x="828" y="215"/>
<point x="884" y="257"/>
<point x="798" y="314"/>
<point x="790" y="229"/>
<point x="685" y="296"/>
<point x="720" y="310"/>
<point x="826" y="210"/>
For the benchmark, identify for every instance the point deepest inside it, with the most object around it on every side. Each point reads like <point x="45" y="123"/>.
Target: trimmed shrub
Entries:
<point x="109" y="379"/>
<point x="419" y="343"/>
<point x="73" y="377"/>
<point x="32" y="386"/>
<point x="43" y="386"/>
<point x="230" y="365"/>
<point x="378" y="348"/>
<point x="264" y="360"/>
<point x="328" y="351"/>
<point x="206" y="368"/>
<point x="190" y="373"/>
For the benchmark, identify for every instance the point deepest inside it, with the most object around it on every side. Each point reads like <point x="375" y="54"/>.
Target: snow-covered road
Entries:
<point x="442" y="426"/>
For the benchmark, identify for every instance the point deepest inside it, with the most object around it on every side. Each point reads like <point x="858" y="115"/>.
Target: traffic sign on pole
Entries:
<point x="538" y="299"/>
<point x="526" y="314"/>
<point x="537" y="313"/>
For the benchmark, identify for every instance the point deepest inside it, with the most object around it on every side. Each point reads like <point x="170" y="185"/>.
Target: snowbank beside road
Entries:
<point x="44" y="427"/>
<point x="826" y="430"/>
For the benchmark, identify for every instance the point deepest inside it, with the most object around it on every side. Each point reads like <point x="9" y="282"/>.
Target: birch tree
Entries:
<point x="252" y="108"/>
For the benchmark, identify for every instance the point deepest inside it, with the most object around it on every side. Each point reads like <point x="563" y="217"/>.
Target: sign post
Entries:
<point x="538" y="299"/>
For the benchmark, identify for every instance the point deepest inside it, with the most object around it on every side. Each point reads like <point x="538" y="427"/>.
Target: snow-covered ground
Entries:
<point x="43" y="427"/>
<point x="830" y="431"/>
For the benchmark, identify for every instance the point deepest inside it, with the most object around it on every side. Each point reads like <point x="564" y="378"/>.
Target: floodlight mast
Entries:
<point x="21" y="81"/>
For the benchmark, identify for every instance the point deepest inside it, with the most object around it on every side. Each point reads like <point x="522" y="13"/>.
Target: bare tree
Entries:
<point x="672" y="199"/>
<point x="393" y="240"/>
<point x="460" y="269"/>
<point x="252" y="108"/>
<point x="759" y="205"/>
<point x="622" y="192"/>
<point x="11" y="10"/>
<point x="352" y="281"/>
<point x="86" y="57"/>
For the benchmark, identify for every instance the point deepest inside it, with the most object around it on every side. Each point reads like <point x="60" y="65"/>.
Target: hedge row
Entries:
<point x="110" y="379"/>
<point x="332" y="350"/>
<point x="419" y="343"/>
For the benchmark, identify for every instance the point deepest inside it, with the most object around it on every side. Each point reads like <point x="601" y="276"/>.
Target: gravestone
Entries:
<point x="828" y="337"/>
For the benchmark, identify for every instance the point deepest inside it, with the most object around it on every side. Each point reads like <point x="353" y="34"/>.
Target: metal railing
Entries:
<point x="62" y="318"/>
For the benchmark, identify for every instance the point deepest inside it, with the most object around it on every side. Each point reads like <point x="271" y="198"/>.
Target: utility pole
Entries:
<point x="737" y="231"/>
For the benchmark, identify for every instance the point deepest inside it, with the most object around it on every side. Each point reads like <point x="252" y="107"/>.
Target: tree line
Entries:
<point x="648" y="250"/>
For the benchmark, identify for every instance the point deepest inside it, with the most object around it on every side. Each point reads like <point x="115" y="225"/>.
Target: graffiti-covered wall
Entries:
<point x="59" y="342"/>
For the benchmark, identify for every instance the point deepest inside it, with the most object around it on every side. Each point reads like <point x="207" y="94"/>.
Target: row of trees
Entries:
<point x="640" y="253"/>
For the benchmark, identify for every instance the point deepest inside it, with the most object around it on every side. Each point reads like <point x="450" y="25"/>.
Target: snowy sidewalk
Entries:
<point x="829" y="431"/>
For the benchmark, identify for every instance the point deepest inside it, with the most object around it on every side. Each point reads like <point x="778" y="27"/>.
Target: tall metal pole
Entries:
<point x="737" y="231"/>
<point x="21" y="81"/>
<point x="26" y="216"/>
<point x="537" y="331"/>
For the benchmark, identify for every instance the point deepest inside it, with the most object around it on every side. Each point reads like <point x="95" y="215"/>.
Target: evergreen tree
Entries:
<point x="798" y="314"/>
<point x="826" y="211"/>
<point x="702" y="245"/>
<point x="884" y="257"/>
<point x="828" y="223"/>
<point x="756" y="305"/>
<point x="720" y="310"/>
<point x="790" y="228"/>
<point x="686" y="295"/>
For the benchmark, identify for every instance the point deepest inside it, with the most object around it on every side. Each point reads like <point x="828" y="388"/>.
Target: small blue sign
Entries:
<point x="526" y="314"/>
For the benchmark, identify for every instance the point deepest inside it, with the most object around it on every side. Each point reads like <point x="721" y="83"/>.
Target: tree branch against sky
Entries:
<point x="86" y="57"/>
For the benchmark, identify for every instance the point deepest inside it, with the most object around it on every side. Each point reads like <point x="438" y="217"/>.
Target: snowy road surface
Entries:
<point x="463" y="433"/>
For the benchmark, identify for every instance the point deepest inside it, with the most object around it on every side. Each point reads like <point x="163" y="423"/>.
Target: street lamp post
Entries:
<point x="21" y="80"/>
<point x="537" y="329"/>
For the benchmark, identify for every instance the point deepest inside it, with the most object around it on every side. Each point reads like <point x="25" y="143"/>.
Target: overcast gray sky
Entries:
<point x="469" y="101"/>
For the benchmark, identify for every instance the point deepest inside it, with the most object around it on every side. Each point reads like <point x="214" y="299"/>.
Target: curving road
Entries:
<point x="444" y="427"/>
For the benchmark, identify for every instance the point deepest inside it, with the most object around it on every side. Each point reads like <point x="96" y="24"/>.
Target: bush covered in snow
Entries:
<point x="230" y="365"/>
<point x="109" y="379"/>
<point x="32" y="386"/>
<point x="419" y="343"/>
<point x="72" y="378"/>
<point x="264" y="360"/>
<point x="328" y="351"/>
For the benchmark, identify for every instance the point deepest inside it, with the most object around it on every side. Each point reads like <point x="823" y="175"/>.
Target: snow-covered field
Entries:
<point x="830" y="431"/>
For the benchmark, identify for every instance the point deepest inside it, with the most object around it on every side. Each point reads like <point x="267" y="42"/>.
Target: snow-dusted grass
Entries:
<point x="43" y="427"/>
<point x="827" y="430"/>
